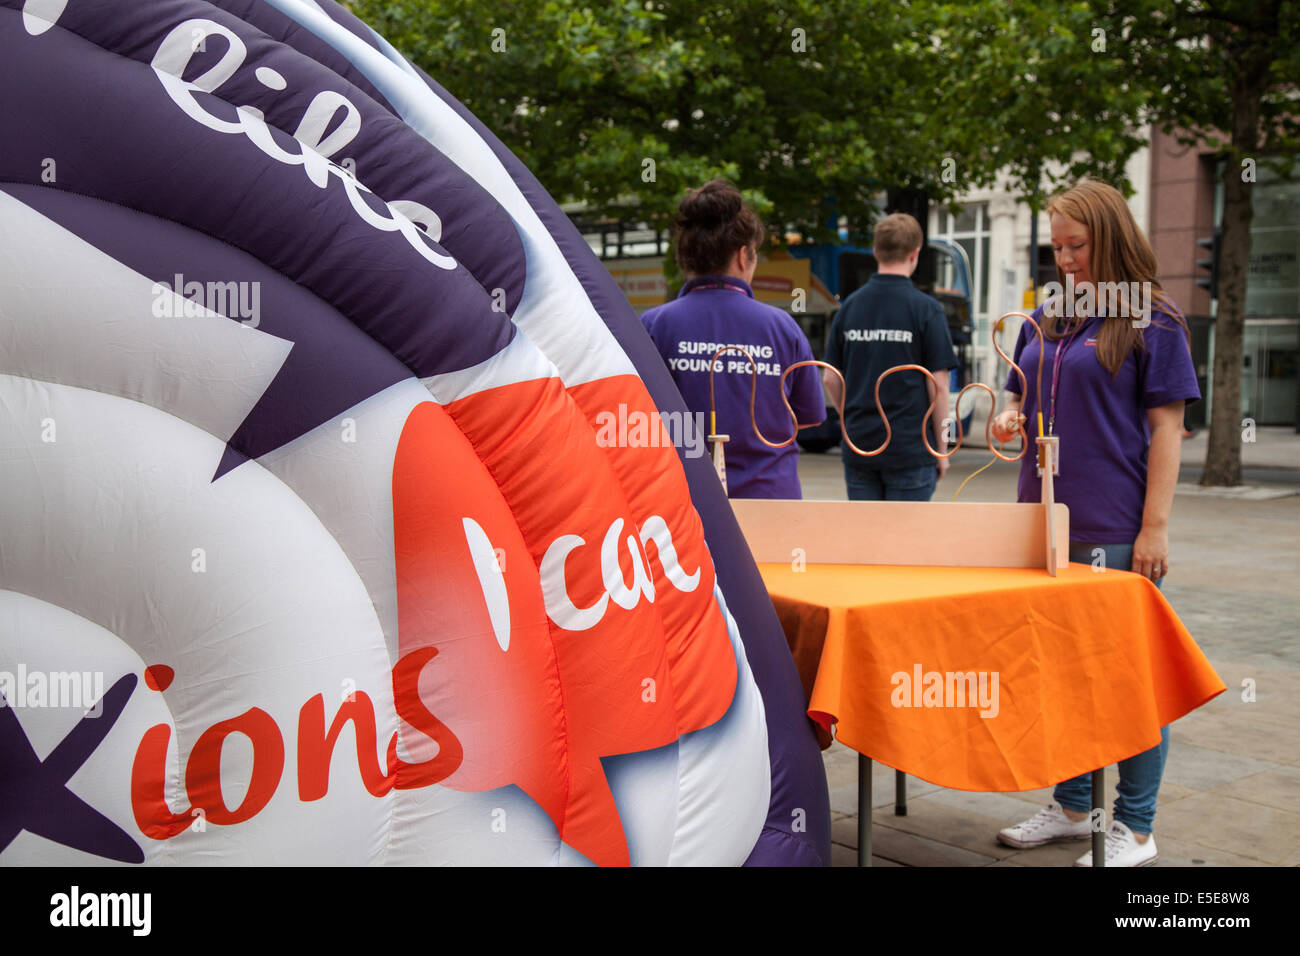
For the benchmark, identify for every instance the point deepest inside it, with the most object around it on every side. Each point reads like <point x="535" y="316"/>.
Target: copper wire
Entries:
<point x="925" y="422"/>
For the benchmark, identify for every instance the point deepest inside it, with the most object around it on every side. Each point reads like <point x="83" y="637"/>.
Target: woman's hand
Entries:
<point x="1006" y="424"/>
<point x="1151" y="552"/>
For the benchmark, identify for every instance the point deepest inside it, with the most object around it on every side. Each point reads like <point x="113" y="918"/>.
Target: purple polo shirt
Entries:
<point x="713" y="311"/>
<point x="1102" y="421"/>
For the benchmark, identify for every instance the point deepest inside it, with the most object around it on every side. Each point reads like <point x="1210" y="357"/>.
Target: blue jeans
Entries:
<point x="1139" y="776"/>
<point x="890" y="484"/>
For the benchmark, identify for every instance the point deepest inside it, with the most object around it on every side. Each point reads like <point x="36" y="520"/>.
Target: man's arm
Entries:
<point x="939" y="384"/>
<point x="938" y="390"/>
<point x="939" y="358"/>
<point x="834" y="390"/>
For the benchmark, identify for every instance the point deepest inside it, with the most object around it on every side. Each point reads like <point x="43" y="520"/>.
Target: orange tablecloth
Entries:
<point x="1089" y="666"/>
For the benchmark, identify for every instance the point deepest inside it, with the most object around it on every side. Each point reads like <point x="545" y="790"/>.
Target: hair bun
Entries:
<point x="712" y="223"/>
<point x="711" y="205"/>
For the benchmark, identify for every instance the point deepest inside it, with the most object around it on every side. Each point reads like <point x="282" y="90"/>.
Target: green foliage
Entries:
<point x="1197" y="63"/>
<point x="1222" y="72"/>
<point x="812" y="108"/>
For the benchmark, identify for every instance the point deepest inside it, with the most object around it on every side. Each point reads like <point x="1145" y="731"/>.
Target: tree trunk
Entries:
<point x="1223" y="453"/>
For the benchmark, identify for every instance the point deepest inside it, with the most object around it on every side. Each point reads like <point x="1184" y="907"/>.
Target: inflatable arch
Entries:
<point x="312" y="546"/>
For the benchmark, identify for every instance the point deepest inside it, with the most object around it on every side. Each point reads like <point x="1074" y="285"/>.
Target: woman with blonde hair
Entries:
<point x="1117" y="371"/>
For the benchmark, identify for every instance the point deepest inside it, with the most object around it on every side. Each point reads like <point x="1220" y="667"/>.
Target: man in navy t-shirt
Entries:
<point x="890" y="322"/>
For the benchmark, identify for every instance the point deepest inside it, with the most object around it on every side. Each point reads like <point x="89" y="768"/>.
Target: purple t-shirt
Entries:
<point x="713" y="311"/>
<point x="1102" y="421"/>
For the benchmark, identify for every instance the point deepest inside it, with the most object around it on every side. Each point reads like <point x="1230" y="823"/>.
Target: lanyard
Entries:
<point x="1056" y="374"/>
<point x="715" y="283"/>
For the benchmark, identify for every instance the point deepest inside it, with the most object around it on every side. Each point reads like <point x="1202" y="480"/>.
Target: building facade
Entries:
<point x="1178" y="201"/>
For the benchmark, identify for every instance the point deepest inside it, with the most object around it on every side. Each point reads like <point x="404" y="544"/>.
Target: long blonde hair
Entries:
<point x="1119" y="253"/>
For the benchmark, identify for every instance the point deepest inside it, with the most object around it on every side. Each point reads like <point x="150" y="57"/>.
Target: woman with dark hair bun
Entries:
<point x="712" y="223"/>
<point x="716" y="240"/>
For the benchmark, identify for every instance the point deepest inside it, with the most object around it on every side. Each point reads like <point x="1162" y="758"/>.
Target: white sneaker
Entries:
<point x="1048" y="825"/>
<point x="1123" y="849"/>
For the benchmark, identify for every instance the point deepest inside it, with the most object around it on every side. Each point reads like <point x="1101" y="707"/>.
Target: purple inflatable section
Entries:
<point x="473" y="227"/>
<point x="102" y="117"/>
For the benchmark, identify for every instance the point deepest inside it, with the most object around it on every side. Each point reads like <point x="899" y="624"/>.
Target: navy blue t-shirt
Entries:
<point x="888" y="322"/>
<point x="712" y="311"/>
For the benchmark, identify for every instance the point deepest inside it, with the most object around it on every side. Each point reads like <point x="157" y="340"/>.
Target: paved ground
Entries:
<point x="1231" y="790"/>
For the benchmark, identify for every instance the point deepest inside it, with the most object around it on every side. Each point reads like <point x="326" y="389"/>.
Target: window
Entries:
<point x="1273" y="285"/>
<point x="969" y="229"/>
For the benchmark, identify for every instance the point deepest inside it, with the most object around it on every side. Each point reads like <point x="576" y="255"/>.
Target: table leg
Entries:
<point x="1098" y="836"/>
<point x="900" y="793"/>
<point x="864" y="810"/>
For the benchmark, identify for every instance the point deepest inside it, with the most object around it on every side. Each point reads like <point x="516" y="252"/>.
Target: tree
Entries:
<point x="1222" y="73"/>
<point x="815" y="108"/>
<point x="812" y="108"/>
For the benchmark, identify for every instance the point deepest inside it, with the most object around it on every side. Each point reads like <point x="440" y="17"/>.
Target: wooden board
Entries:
<point x="939" y="533"/>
